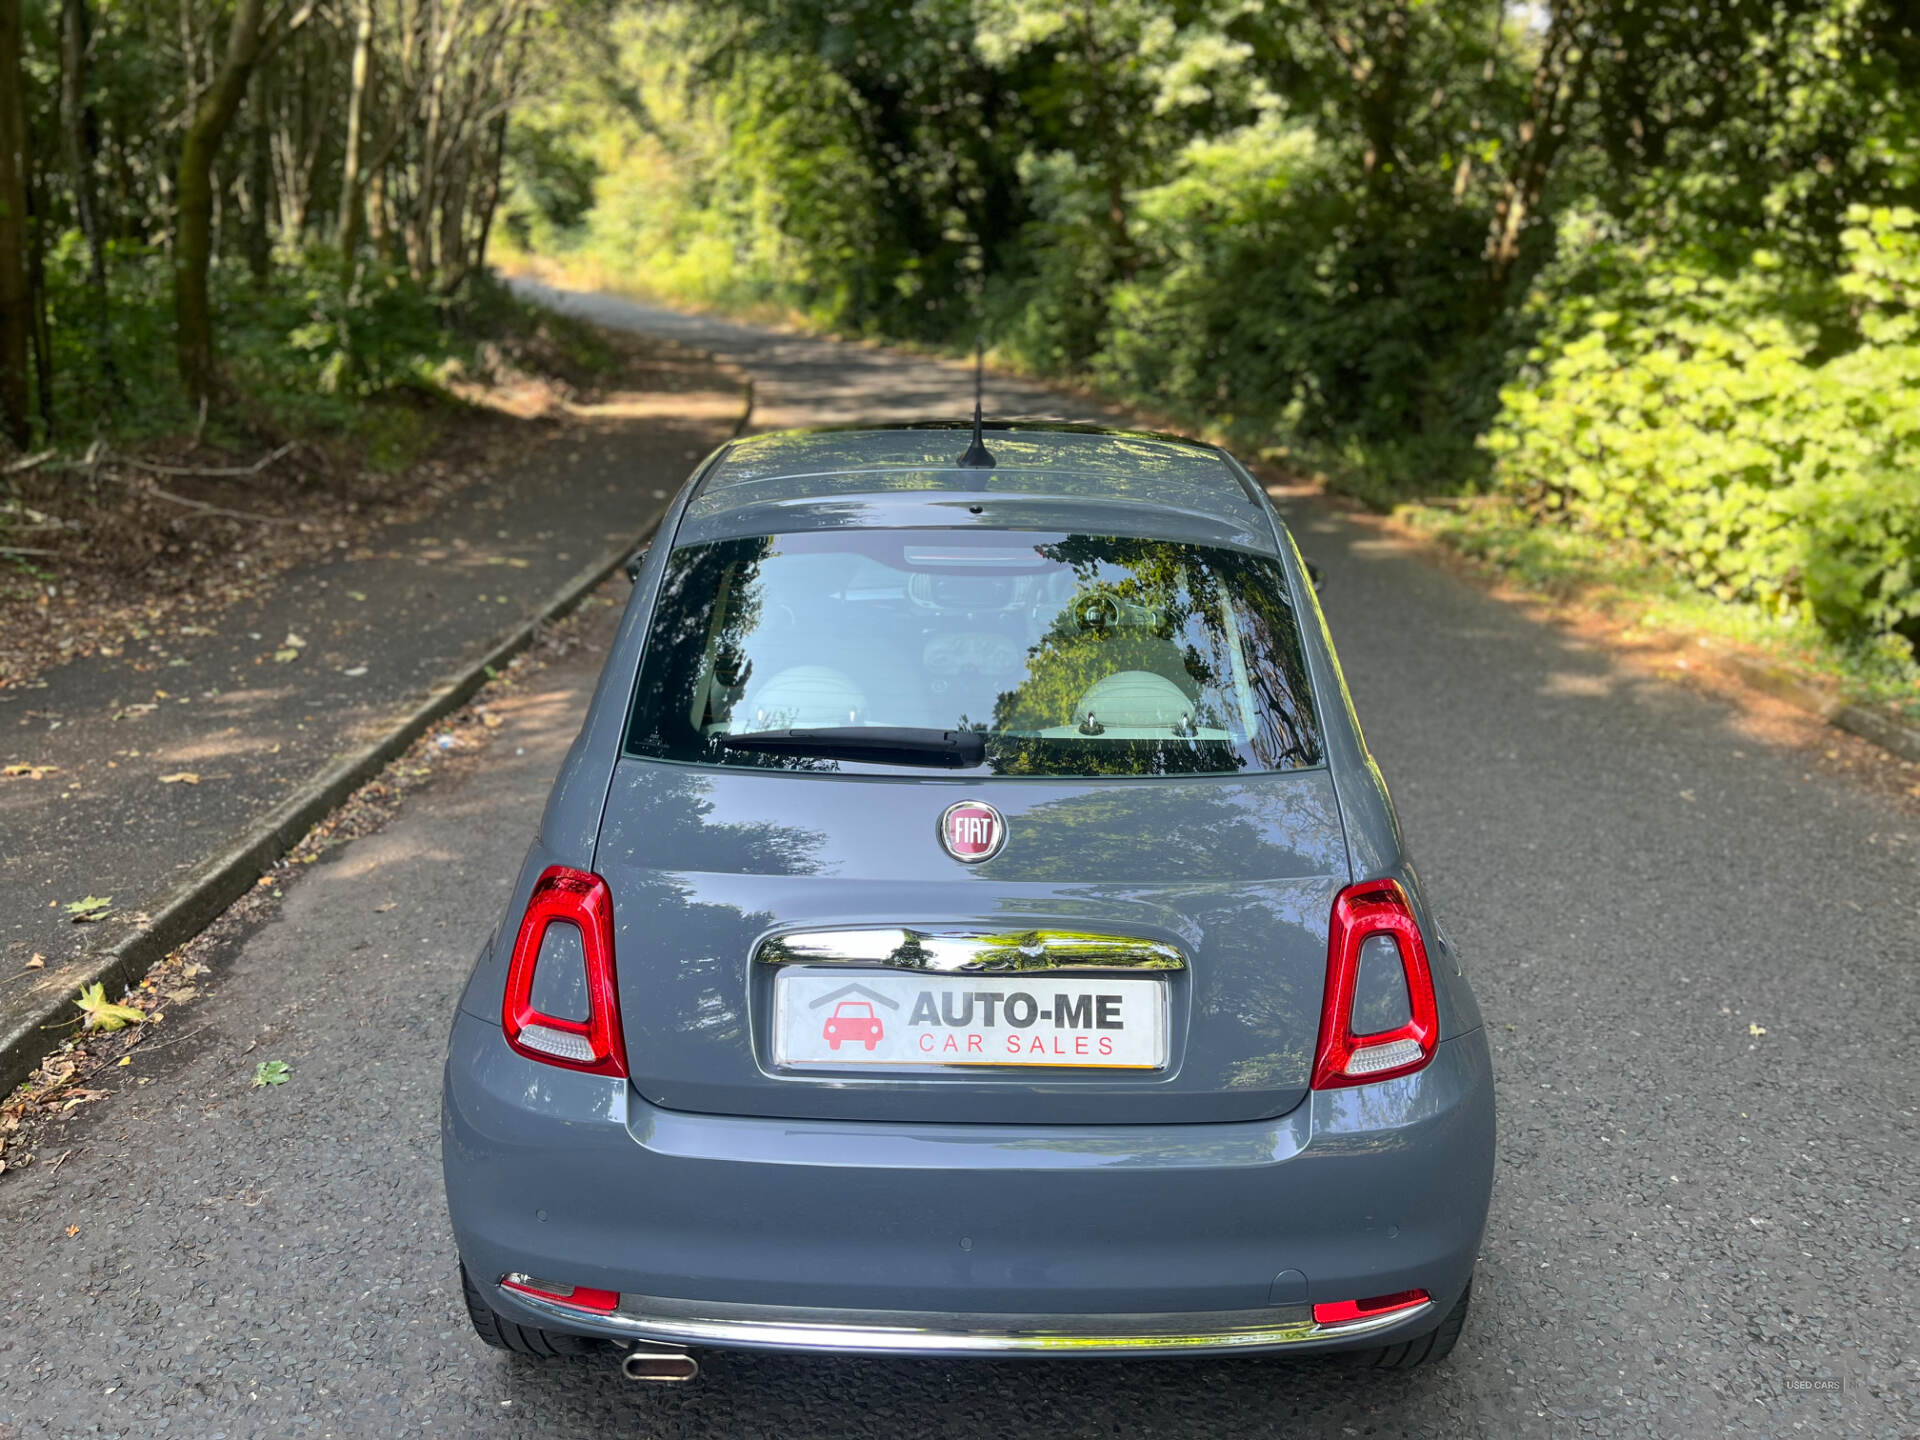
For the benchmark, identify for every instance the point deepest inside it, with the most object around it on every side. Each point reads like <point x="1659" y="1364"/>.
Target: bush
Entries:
<point x="1761" y="428"/>
<point x="293" y="354"/>
<point x="1261" y="303"/>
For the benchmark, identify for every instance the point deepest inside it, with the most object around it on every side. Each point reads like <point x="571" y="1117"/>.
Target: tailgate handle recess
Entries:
<point x="961" y="950"/>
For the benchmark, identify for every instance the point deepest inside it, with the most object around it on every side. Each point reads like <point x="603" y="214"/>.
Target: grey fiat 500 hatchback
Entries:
<point x="969" y="922"/>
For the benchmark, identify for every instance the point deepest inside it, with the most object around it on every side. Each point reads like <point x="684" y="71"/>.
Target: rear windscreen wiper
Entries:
<point x="875" y="744"/>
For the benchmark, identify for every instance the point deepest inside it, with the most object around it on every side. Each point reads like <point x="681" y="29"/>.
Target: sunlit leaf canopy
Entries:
<point x="1362" y="232"/>
<point x="1637" y="263"/>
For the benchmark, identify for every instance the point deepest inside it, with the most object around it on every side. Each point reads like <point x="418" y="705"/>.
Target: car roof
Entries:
<point x="1078" y="478"/>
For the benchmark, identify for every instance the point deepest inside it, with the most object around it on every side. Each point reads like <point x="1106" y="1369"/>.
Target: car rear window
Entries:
<point x="1072" y="655"/>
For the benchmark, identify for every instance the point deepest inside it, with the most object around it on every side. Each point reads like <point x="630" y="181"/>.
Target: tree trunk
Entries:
<point x="1106" y="137"/>
<point x="379" y="218"/>
<point x="193" y="248"/>
<point x="444" y="25"/>
<point x="16" y="305"/>
<point x="259" y="183"/>
<point x="79" y="147"/>
<point x="37" y="285"/>
<point x="490" y="201"/>
<point x="452" y="245"/>
<point x="1374" y="51"/>
<point x="351" y="208"/>
<point x="1558" y="82"/>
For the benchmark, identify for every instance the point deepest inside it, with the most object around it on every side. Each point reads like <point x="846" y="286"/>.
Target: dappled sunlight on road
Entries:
<point x="227" y="744"/>
<point x="647" y="405"/>
<point x="1567" y="683"/>
<point x="539" y="715"/>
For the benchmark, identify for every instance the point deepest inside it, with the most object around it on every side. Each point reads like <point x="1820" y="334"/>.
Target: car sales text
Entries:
<point x="1018" y="1014"/>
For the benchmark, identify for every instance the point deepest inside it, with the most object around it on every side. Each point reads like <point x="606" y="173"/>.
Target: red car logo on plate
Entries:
<point x="853" y="1020"/>
<point x="972" y="831"/>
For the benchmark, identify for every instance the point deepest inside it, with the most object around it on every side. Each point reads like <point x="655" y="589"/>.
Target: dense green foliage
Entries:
<point x="1606" y="254"/>
<point x="240" y="204"/>
<point x="300" y="360"/>
<point x="1724" y="370"/>
<point x="1698" y="414"/>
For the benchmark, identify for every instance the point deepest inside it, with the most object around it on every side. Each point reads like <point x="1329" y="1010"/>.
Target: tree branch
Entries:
<point x="216" y="472"/>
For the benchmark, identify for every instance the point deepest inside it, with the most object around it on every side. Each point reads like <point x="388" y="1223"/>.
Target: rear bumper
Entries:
<point x="966" y="1239"/>
<point x="898" y="1332"/>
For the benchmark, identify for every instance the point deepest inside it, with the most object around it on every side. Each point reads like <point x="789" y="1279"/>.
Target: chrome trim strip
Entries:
<point x="900" y="1332"/>
<point x="957" y="950"/>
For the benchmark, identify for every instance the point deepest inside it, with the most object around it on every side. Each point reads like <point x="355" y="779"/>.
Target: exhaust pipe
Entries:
<point x="659" y="1362"/>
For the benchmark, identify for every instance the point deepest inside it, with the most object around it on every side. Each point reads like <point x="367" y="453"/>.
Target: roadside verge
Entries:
<point x="33" y="1015"/>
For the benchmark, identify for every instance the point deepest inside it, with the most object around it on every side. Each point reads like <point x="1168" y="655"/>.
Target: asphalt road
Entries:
<point x="1697" y="956"/>
<point x="379" y="624"/>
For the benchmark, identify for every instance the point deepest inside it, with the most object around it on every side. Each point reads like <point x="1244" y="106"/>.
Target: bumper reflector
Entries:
<point x="574" y="1297"/>
<point x="1336" y="1312"/>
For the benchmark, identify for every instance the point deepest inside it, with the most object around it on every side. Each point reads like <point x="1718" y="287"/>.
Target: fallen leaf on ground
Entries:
<point x="28" y="772"/>
<point x="1756" y="1030"/>
<point x="180" y="777"/>
<point x="283" y="656"/>
<point x="356" y="595"/>
<point x="293" y="640"/>
<point x="102" y="1013"/>
<point x="271" y="1072"/>
<point x="191" y="969"/>
<point x="382" y="909"/>
<point x="72" y="1230"/>
<point x="91" y="908"/>
<point x="126" y="1059"/>
<point x="355" y="673"/>
<point x="492" y="722"/>
<point x="37" y="962"/>
<point x="180" y="996"/>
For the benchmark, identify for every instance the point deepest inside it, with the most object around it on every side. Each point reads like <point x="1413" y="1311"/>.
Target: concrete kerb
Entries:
<point x="1886" y="731"/>
<point x="224" y="877"/>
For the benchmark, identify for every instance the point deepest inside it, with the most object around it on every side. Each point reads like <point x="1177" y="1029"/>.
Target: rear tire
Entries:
<point x="504" y="1334"/>
<point x="1428" y="1349"/>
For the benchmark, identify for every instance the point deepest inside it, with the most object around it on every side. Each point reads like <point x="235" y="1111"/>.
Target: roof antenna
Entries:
<point x="977" y="456"/>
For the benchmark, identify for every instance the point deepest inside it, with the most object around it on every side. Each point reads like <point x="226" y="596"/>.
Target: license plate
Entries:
<point x="904" y="1018"/>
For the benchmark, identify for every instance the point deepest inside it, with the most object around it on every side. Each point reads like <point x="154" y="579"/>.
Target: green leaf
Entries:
<point x="94" y="907"/>
<point x="271" y="1072"/>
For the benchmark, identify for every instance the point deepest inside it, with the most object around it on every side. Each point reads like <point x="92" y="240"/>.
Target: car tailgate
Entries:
<point x="1233" y="875"/>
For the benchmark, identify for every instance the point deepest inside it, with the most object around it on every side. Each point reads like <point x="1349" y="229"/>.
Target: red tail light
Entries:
<point x="1373" y="907"/>
<point x="575" y="1297"/>
<point x="580" y="899"/>
<point x="1338" y="1312"/>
